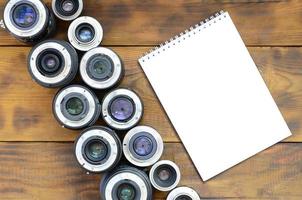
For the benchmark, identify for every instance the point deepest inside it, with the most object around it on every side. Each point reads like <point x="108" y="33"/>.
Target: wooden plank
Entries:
<point x="26" y="113"/>
<point x="49" y="171"/>
<point x="151" y="22"/>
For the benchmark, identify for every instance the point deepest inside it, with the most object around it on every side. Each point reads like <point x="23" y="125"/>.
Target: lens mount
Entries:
<point x="183" y="191"/>
<point x="74" y="37"/>
<point x="136" y="114"/>
<point x="126" y="175"/>
<point x="36" y="28"/>
<point x="87" y="117"/>
<point x="173" y="177"/>
<point x="111" y="78"/>
<point x="153" y="137"/>
<point x="65" y="60"/>
<point x="57" y="7"/>
<point x="113" y="149"/>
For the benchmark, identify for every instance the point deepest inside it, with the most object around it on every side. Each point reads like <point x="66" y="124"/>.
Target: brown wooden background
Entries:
<point x="36" y="154"/>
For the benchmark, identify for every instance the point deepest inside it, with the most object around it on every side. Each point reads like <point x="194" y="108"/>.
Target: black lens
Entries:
<point x="122" y="108"/>
<point x="100" y="67"/>
<point x="96" y="150"/>
<point x="143" y="145"/>
<point x="165" y="175"/>
<point x="50" y="62"/>
<point x="74" y="106"/>
<point x="24" y="15"/>
<point x="183" y="197"/>
<point x="126" y="192"/>
<point x="85" y="33"/>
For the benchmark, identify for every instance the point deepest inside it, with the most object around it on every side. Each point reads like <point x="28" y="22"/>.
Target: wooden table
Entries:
<point x="36" y="154"/>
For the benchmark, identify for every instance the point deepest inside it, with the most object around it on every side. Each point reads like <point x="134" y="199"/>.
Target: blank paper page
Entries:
<point x="214" y="96"/>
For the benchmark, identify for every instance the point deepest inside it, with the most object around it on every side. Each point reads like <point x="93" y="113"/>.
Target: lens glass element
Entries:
<point x="96" y="150"/>
<point x="143" y="145"/>
<point x="68" y="5"/>
<point x="164" y="174"/>
<point x="183" y="197"/>
<point x="122" y="108"/>
<point x="126" y="192"/>
<point x="74" y="106"/>
<point x="85" y="33"/>
<point x="24" y="15"/>
<point x="100" y="67"/>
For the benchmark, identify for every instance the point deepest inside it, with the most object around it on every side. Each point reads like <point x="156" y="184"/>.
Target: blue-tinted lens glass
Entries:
<point x="126" y="192"/>
<point x="143" y="146"/>
<point x="24" y="15"/>
<point x="122" y="109"/>
<point x="85" y="34"/>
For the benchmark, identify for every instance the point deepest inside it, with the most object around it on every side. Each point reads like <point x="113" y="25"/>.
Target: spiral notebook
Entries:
<point x="214" y="95"/>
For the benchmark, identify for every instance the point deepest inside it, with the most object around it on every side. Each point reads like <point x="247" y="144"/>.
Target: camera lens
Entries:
<point x="126" y="183"/>
<point x="143" y="146"/>
<point x="98" y="149"/>
<point x="53" y="63"/>
<point x="101" y="68"/>
<point x="85" y="33"/>
<point x="67" y="9"/>
<point x="28" y="20"/>
<point x="164" y="175"/>
<point x="122" y="109"/>
<point x="76" y="107"/>
<point x="183" y="193"/>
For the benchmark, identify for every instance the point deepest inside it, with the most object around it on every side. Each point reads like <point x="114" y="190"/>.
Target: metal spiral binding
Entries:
<point x="177" y="38"/>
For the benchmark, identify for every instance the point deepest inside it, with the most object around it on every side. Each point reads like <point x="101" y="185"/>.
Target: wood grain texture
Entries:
<point x="150" y="22"/>
<point x="26" y="113"/>
<point x="34" y="171"/>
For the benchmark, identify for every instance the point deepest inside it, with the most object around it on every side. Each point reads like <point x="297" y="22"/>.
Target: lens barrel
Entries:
<point x="85" y="33"/>
<point x="126" y="182"/>
<point x="183" y="193"/>
<point x="67" y="10"/>
<point x="164" y="175"/>
<point x="76" y="107"/>
<point x="98" y="149"/>
<point x="29" y="21"/>
<point x="122" y="109"/>
<point x="101" y="68"/>
<point x="143" y="146"/>
<point x="53" y="63"/>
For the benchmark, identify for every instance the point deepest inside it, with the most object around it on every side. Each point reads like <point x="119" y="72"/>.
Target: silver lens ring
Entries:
<point x="157" y="144"/>
<point x="85" y="46"/>
<point x="117" y="68"/>
<point x="153" y="171"/>
<point x="67" y="17"/>
<point x="106" y="135"/>
<point x="136" y="116"/>
<point x="93" y="107"/>
<point x="42" y="17"/>
<point x="183" y="191"/>
<point x="68" y="71"/>
<point x="126" y="175"/>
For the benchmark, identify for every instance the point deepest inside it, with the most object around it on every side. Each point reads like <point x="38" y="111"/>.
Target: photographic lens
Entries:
<point x="164" y="175"/>
<point x="101" y="68"/>
<point x="183" y="193"/>
<point x="122" y="109"/>
<point x="76" y="107"/>
<point x="143" y="146"/>
<point x="126" y="192"/>
<point x="126" y="183"/>
<point x="24" y="15"/>
<point x="85" y="33"/>
<point x="53" y="63"/>
<point x="98" y="149"/>
<point x="28" y="20"/>
<point x="67" y="9"/>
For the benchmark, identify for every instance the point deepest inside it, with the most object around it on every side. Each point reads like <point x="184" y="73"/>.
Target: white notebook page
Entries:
<point x="214" y="96"/>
